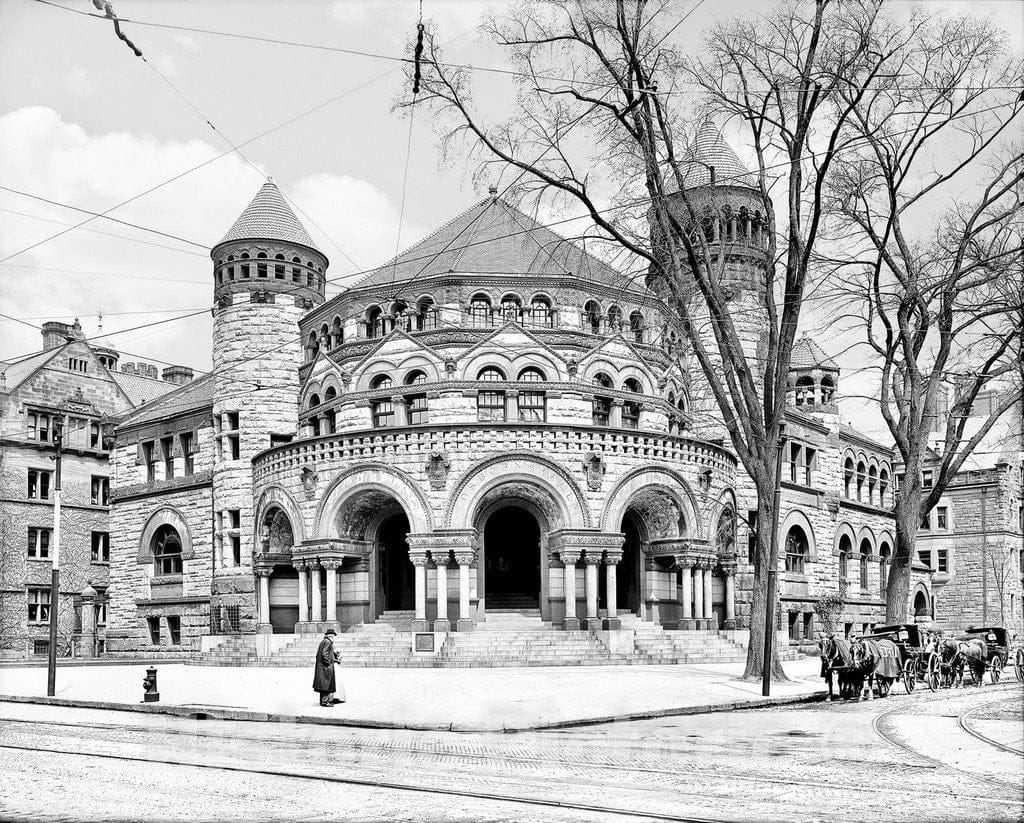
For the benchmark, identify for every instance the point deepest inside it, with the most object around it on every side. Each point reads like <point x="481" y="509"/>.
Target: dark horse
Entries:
<point x="874" y="661"/>
<point x="835" y="657"/>
<point x="974" y="653"/>
<point x="951" y="662"/>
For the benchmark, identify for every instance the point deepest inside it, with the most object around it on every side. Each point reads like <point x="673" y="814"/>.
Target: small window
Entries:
<point x="796" y="550"/>
<point x="39" y="427"/>
<point x="174" y="629"/>
<point x="926" y="479"/>
<point x="490" y="406"/>
<point x="166" y="548"/>
<point x="100" y="490"/>
<point x="925" y="557"/>
<point x="41" y="648"/>
<point x="95" y="436"/>
<point x="153" y="623"/>
<point x="844" y="553"/>
<point x="383" y="412"/>
<point x="794" y="625"/>
<point x="942" y="561"/>
<point x="636" y="326"/>
<point x="235" y="538"/>
<point x="865" y="554"/>
<point x="602" y="411"/>
<point x="810" y="456"/>
<point x="808" y="624"/>
<point x="39" y="543"/>
<point x="942" y="517"/>
<point x="532" y="406"/>
<point x="149" y="458"/>
<point x="38" y="605"/>
<point x="417" y="409"/>
<point x="100" y="547"/>
<point x="39" y="484"/>
<point x="234" y="447"/>
<point x="187" y="441"/>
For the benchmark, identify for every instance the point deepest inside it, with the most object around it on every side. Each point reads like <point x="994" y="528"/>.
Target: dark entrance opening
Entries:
<point x="284" y="599"/>
<point x="397" y="576"/>
<point x="512" y="559"/>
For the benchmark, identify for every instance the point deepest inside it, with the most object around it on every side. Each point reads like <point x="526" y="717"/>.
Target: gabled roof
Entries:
<point x="493" y="237"/>
<point x="269" y="217"/>
<point x="510" y="327"/>
<point x="193" y="396"/>
<point x="17" y="371"/>
<point x="709" y="148"/>
<point x="139" y="388"/>
<point x="807" y="354"/>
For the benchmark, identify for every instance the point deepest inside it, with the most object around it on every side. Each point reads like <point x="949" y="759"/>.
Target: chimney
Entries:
<point x="152" y="371"/>
<point x="179" y="375"/>
<point x="128" y="368"/>
<point x="56" y="334"/>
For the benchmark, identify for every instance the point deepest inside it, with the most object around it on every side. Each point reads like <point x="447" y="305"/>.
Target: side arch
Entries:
<point x="797" y="518"/>
<point x="641" y="479"/>
<point x="276" y="496"/>
<point x="844" y="529"/>
<point x="516" y="468"/>
<point x="378" y="476"/>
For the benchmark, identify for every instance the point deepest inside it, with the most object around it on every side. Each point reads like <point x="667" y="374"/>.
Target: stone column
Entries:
<point x="686" y="595"/>
<point x="512" y="406"/>
<point x="317" y="611"/>
<point x="592" y="560"/>
<point x="401" y="407"/>
<point x="419" y="562"/>
<point x="442" y="623"/>
<point x="730" y="597"/>
<point x="87" y="647"/>
<point x="303" y="597"/>
<point x="611" y="563"/>
<point x="332" y="590"/>
<point x="569" y="558"/>
<point x="709" y="612"/>
<point x="615" y="415"/>
<point x="264" y="604"/>
<point x="698" y="593"/>
<point x="465" y="561"/>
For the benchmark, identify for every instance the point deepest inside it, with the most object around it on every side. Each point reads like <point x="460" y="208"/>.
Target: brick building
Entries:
<point x="78" y="382"/>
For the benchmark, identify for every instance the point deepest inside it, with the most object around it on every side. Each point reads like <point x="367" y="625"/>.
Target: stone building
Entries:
<point x="495" y="428"/>
<point x="77" y="382"/>
<point x="972" y="541"/>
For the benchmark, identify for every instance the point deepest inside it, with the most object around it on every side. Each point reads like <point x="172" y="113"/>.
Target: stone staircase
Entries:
<point x="507" y="637"/>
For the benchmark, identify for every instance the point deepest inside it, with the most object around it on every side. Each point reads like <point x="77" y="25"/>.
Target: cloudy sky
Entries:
<point x="84" y="123"/>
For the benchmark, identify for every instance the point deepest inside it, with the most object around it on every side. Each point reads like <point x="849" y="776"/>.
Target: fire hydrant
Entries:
<point x="150" y="695"/>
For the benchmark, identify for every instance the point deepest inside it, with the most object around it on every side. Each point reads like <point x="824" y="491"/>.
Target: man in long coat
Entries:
<point x="324" y="680"/>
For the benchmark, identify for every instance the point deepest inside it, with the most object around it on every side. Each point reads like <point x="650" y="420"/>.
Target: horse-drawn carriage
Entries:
<point x="985" y="649"/>
<point x="917" y="657"/>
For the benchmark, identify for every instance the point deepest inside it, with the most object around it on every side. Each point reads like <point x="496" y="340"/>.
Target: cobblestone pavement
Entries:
<point x="951" y="756"/>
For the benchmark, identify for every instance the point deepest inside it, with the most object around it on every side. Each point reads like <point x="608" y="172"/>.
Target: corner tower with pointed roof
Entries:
<point x="268" y="273"/>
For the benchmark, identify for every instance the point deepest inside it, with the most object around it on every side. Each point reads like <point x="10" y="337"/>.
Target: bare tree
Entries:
<point x="602" y="119"/>
<point x="937" y="289"/>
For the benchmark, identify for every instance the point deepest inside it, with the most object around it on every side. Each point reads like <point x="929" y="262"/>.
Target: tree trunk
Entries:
<point x="759" y="596"/>
<point x="907" y="516"/>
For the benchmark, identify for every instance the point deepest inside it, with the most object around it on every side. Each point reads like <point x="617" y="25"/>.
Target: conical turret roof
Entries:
<point x="807" y="354"/>
<point x="709" y="148"/>
<point x="269" y="217"/>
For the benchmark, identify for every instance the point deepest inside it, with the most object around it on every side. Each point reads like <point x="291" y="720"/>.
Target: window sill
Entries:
<point x="160" y="579"/>
<point x="99" y="562"/>
<point x="38" y="559"/>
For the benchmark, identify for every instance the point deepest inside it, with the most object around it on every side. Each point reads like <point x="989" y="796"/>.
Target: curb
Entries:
<point x="200" y="712"/>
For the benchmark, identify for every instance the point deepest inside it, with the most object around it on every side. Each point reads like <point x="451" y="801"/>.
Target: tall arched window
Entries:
<point x="602" y="405"/>
<point x="844" y="552"/>
<point x="848" y="478"/>
<point x="261" y="265"/>
<point x="296" y="270"/>
<point x="884" y="557"/>
<point x="872" y="484"/>
<point x="796" y="550"/>
<point x="244" y="267"/>
<point x="540" y="312"/>
<point x="312" y="347"/>
<point x="382" y="410"/>
<point x="314" y="400"/>
<point x="592" y="316"/>
<point x="636" y="326"/>
<point x="511" y="306"/>
<point x="400" y="318"/>
<point x="828" y="390"/>
<point x="865" y="553"/>
<point x="426" y="314"/>
<point x="883" y="487"/>
<point x="417" y="402"/>
<point x="861" y="477"/>
<point x="614" y="318"/>
<point x="279" y="267"/>
<point x="166" y="548"/>
<point x="631" y="409"/>
<point x="480" y="310"/>
<point x="805" y="391"/>
<point x="532" y="403"/>
<point x="726" y="532"/>
<point x="337" y="332"/>
<point x="490" y="403"/>
<point x="374" y="322"/>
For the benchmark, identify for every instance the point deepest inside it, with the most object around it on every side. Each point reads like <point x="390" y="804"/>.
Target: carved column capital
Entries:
<point x="300" y="565"/>
<point x="331" y="564"/>
<point x="682" y="562"/>
<point x="612" y="558"/>
<point x="728" y="569"/>
<point x="465" y="558"/>
<point x="418" y="559"/>
<point x="440" y="559"/>
<point x="569" y="557"/>
<point x="592" y="558"/>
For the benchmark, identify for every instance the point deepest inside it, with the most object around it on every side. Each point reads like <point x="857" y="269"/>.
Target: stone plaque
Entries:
<point x="423" y="642"/>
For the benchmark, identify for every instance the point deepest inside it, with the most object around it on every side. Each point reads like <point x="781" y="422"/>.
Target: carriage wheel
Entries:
<point x="909" y="676"/>
<point x="996" y="672"/>
<point x="933" y="675"/>
<point x="1019" y="665"/>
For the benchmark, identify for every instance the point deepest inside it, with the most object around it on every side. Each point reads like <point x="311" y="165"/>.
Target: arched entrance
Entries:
<point x="921" y="604"/>
<point x="395" y="574"/>
<point x="628" y="599"/>
<point x="511" y="559"/>
<point x="276" y="541"/>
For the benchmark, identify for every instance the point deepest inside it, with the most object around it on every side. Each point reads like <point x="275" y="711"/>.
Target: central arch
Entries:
<point x="512" y="559"/>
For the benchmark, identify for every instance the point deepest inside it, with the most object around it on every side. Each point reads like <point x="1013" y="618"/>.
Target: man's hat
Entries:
<point x="330" y="631"/>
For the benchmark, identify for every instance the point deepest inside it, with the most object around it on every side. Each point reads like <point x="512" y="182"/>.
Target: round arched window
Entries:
<point x="491" y="374"/>
<point x="382" y="381"/>
<point x="796" y="550"/>
<point x="532" y="375"/>
<point x="414" y="377"/>
<point x="166" y="548"/>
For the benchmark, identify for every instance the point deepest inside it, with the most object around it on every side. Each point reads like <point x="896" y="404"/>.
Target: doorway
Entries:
<point x="512" y="559"/>
<point x="396" y="573"/>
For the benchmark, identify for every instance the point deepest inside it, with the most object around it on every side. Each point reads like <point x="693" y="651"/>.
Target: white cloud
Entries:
<point x="42" y="154"/>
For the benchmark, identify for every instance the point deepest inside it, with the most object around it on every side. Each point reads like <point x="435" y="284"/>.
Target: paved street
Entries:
<point x="951" y="756"/>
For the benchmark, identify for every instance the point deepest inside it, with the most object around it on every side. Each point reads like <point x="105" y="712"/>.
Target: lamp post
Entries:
<point x="51" y="662"/>
<point x="773" y="569"/>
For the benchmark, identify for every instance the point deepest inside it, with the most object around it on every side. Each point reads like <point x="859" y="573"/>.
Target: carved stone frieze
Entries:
<point x="437" y="468"/>
<point x="594" y="469"/>
<point x="310" y="478"/>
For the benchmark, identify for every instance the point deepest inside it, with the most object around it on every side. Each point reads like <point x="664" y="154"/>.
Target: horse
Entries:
<point x="835" y="657"/>
<point x="874" y="661"/>
<point x="951" y="662"/>
<point x="975" y="654"/>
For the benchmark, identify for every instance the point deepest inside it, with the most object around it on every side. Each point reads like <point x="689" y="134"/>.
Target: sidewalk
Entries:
<point x="474" y="699"/>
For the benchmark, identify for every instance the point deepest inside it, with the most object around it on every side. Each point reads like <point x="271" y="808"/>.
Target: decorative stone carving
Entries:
<point x="572" y="366"/>
<point x="465" y="558"/>
<point x="450" y="366"/>
<point x="704" y="480"/>
<point x="594" y="469"/>
<point x="346" y="377"/>
<point x="612" y="558"/>
<point x="309" y="481"/>
<point x="438" y="465"/>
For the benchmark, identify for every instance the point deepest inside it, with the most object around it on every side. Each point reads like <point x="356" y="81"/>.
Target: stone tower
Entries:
<point x="268" y="273"/>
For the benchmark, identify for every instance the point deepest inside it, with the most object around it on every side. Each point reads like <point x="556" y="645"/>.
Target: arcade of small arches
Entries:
<point x="263" y="267"/>
<point x="509" y="549"/>
<point x="539" y="311"/>
<point x="866" y="479"/>
<point x="811" y="390"/>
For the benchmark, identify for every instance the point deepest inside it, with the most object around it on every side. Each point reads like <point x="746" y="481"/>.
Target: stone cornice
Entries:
<point x="198" y="480"/>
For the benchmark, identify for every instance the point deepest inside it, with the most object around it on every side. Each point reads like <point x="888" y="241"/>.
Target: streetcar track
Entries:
<point x="523" y="759"/>
<point x="962" y="723"/>
<point x="381" y="784"/>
